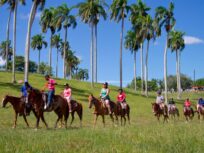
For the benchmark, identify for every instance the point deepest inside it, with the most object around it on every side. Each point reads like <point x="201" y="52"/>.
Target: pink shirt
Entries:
<point x="51" y="84"/>
<point x="67" y="92"/>
<point x="121" y="97"/>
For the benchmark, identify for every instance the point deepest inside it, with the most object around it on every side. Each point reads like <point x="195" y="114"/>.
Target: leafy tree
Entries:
<point x="3" y="50"/>
<point x="45" y="69"/>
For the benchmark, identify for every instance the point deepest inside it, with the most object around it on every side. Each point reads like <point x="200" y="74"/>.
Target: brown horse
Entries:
<point x="18" y="107"/>
<point x="188" y="113"/>
<point x="173" y="112"/>
<point x="100" y="110"/>
<point x="160" y="112"/>
<point x="200" y="111"/>
<point x="76" y="107"/>
<point x="59" y="106"/>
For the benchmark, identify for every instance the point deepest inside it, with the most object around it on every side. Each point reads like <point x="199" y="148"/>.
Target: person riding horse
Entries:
<point x="51" y="90"/>
<point x="105" y="97"/>
<point x="171" y="105"/>
<point x="121" y="99"/>
<point x="187" y="105"/>
<point x="67" y="94"/>
<point x="160" y="100"/>
<point x="200" y="103"/>
<point x="24" y="94"/>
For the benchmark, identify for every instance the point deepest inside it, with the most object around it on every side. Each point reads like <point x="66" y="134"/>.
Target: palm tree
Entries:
<point x="177" y="44"/>
<point x="35" y="5"/>
<point x="3" y="50"/>
<point x="139" y="9"/>
<point x="147" y="31"/>
<point x="165" y="17"/>
<point x="56" y="41"/>
<point x="65" y="20"/>
<point x="47" y="22"/>
<point x="119" y="11"/>
<point x="83" y="74"/>
<point x="37" y="43"/>
<point x="132" y="44"/>
<point x="90" y="12"/>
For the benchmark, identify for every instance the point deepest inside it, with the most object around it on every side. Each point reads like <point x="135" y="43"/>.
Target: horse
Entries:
<point x="188" y="113"/>
<point x="78" y="108"/>
<point x="160" y="112"/>
<point x="119" y="111"/>
<point x="18" y="107"/>
<point x="59" y="106"/>
<point x="100" y="110"/>
<point x="173" y="112"/>
<point x="200" y="111"/>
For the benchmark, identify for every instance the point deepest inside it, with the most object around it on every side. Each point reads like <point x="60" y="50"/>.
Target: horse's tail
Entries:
<point x="80" y="111"/>
<point x="177" y="112"/>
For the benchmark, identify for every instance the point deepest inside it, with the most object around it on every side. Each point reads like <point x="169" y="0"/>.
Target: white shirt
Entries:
<point x="160" y="99"/>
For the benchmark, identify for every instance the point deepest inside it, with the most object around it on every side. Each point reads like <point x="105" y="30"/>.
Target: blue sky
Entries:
<point x="188" y="14"/>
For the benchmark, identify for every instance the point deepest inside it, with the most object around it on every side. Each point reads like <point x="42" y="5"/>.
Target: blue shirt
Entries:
<point x="201" y="102"/>
<point x="24" y="91"/>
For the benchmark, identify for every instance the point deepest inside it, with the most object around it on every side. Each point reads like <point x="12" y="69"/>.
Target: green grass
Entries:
<point x="144" y="134"/>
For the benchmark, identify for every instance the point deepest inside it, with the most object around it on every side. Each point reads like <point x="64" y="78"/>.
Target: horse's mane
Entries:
<point x="36" y="91"/>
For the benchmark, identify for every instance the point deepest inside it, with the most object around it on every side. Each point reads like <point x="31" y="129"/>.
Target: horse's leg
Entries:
<point x="124" y="120"/>
<point x="59" y="118"/>
<point x="95" y="119"/>
<point x="15" y="120"/>
<point x="111" y="116"/>
<point x="72" y="118"/>
<point x="103" y="118"/>
<point x="25" y="120"/>
<point x="43" y="119"/>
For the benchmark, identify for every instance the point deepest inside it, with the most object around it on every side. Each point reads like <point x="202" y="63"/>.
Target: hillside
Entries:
<point x="144" y="134"/>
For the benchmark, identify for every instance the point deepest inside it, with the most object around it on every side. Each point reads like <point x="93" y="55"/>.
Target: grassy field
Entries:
<point x="144" y="134"/>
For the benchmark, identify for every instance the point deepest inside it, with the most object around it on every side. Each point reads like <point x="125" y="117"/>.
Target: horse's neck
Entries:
<point x="97" y="104"/>
<point x="13" y="100"/>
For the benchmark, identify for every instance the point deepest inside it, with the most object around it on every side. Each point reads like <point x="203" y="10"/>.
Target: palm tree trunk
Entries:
<point x="70" y="71"/>
<point x="121" y="50"/>
<point x="95" y="62"/>
<point x="146" y="70"/>
<point x="64" y="60"/>
<point x="38" y="61"/>
<point x="135" y="77"/>
<point x="142" y="67"/>
<point x="14" y="42"/>
<point x="179" y="75"/>
<point x="165" y="70"/>
<point x="57" y="64"/>
<point x="50" y="55"/>
<point x="27" y="47"/>
<point x="7" y="38"/>
<point x="91" y="55"/>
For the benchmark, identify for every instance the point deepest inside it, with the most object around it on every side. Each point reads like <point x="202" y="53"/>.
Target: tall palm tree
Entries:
<point x="64" y="19"/>
<point x="147" y="31"/>
<point x="132" y="44"/>
<point x="37" y="43"/>
<point x="56" y="41"/>
<point x="165" y="17"/>
<point x="177" y="44"/>
<point x="47" y="22"/>
<point x="90" y="12"/>
<point x="139" y="9"/>
<point x="119" y="11"/>
<point x="36" y="4"/>
<point x="3" y="50"/>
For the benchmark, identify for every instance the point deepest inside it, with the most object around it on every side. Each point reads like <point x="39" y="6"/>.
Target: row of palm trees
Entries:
<point x="144" y="29"/>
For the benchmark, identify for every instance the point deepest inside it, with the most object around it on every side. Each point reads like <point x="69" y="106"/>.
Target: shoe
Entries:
<point x="70" y="111"/>
<point x="45" y="107"/>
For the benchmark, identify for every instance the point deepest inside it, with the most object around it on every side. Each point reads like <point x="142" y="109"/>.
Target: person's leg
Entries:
<point x="69" y="104"/>
<point x="50" y="92"/>
<point x="108" y="105"/>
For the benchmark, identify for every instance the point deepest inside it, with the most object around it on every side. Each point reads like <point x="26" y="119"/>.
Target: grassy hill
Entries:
<point x="144" y="134"/>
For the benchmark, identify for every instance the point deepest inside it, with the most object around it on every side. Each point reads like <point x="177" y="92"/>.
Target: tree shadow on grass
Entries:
<point x="12" y="86"/>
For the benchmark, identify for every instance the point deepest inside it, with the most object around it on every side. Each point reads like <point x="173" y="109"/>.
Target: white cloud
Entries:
<point x="2" y="62"/>
<point x="26" y="16"/>
<point x="190" y="40"/>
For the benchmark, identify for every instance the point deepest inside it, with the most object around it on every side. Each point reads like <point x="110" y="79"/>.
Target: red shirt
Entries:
<point x="187" y="103"/>
<point x="121" y="97"/>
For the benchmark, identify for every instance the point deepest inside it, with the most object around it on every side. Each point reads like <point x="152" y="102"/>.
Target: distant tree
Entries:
<point x="199" y="82"/>
<point x="83" y="74"/>
<point x="44" y="68"/>
<point x="3" y="50"/>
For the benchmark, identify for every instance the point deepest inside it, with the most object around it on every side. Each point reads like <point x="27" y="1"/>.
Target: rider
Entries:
<point x="160" y="100"/>
<point x="171" y="105"/>
<point x="200" y="103"/>
<point x="24" y="94"/>
<point x="105" y="96"/>
<point x="121" y="98"/>
<point x="51" y="90"/>
<point x="187" y="105"/>
<point x="68" y="96"/>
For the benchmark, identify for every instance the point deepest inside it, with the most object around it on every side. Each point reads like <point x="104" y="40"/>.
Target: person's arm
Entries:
<point x="21" y="91"/>
<point x="108" y="91"/>
<point x="70" y="92"/>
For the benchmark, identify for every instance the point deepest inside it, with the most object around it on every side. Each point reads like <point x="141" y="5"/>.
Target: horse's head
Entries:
<point x="5" y="101"/>
<point x="91" y="100"/>
<point x="155" y="107"/>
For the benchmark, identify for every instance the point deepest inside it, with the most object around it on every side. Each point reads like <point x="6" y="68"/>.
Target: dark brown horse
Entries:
<point x="173" y="112"/>
<point x="59" y="106"/>
<point x="18" y="107"/>
<point x="188" y="112"/>
<point x="200" y="111"/>
<point x="158" y="112"/>
<point x="100" y="110"/>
